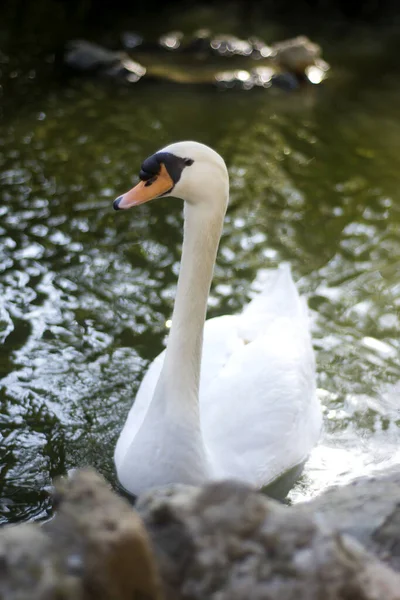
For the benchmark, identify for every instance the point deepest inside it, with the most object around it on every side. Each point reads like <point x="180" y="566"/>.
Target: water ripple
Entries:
<point x="85" y="294"/>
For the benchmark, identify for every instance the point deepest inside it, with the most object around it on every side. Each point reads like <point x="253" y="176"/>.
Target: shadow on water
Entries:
<point x="85" y="292"/>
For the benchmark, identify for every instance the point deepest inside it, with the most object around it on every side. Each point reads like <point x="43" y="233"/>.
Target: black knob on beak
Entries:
<point x="116" y="203"/>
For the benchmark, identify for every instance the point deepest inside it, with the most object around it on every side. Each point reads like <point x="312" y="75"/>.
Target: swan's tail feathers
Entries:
<point x="277" y="297"/>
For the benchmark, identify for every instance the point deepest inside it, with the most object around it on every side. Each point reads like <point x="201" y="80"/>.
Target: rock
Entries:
<point x="296" y="54"/>
<point x="301" y="58"/>
<point x="203" y="59"/>
<point x="226" y="541"/>
<point x="173" y="543"/>
<point x="203" y="43"/>
<point x="87" y="57"/>
<point x="222" y="541"/>
<point x="29" y="569"/>
<point x="131" y="39"/>
<point x="368" y="509"/>
<point x="95" y="548"/>
<point x="386" y="539"/>
<point x="107" y="536"/>
<point x="171" y="40"/>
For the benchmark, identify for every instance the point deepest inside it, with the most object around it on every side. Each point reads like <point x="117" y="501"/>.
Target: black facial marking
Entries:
<point x="174" y="165"/>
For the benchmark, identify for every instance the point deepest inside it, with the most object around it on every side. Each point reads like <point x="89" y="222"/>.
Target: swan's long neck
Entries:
<point x="180" y="376"/>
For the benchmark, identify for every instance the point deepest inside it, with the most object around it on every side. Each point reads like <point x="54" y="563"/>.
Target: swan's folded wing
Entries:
<point x="260" y="415"/>
<point x="277" y="297"/>
<point x="221" y="341"/>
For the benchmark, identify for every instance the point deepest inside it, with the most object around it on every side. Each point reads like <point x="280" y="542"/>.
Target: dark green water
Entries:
<point x="85" y="292"/>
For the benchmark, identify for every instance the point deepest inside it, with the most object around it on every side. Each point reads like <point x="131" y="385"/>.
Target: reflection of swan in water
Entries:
<point x="253" y="414"/>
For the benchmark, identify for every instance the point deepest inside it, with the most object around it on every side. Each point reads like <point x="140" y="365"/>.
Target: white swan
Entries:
<point x="253" y="413"/>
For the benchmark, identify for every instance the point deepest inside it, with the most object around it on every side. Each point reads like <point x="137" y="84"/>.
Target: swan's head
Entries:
<point x="187" y="170"/>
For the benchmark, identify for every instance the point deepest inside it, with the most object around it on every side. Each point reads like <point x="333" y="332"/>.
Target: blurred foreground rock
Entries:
<point x="367" y="509"/>
<point x="223" y="541"/>
<point x="226" y="541"/>
<point x="95" y="548"/>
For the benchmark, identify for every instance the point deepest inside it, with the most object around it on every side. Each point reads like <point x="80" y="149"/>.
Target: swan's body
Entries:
<point x="253" y="413"/>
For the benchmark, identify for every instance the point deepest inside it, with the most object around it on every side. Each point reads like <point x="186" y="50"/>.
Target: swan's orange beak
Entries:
<point x="146" y="190"/>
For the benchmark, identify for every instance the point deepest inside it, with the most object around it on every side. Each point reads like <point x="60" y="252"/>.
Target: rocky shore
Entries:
<point x="223" y="61"/>
<point x="222" y="541"/>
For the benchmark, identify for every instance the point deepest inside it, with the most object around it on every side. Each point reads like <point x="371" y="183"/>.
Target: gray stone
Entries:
<point x="296" y="54"/>
<point x="86" y="57"/>
<point x="283" y="64"/>
<point x="29" y="568"/>
<point x="226" y="541"/>
<point x="367" y="509"/>
<point x="95" y="548"/>
<point x="222" y="541"/>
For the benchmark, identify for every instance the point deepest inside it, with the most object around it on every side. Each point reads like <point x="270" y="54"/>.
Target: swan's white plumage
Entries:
<point x="258" y="405"/>
<point x="251" y="412"/>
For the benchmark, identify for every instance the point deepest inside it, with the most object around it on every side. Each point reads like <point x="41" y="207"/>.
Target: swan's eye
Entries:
<point x="150" y="181"/>
<point x="188" y="161"/>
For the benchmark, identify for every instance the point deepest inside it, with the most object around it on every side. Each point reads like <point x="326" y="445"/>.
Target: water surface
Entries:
<point x="85" y="293"/>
